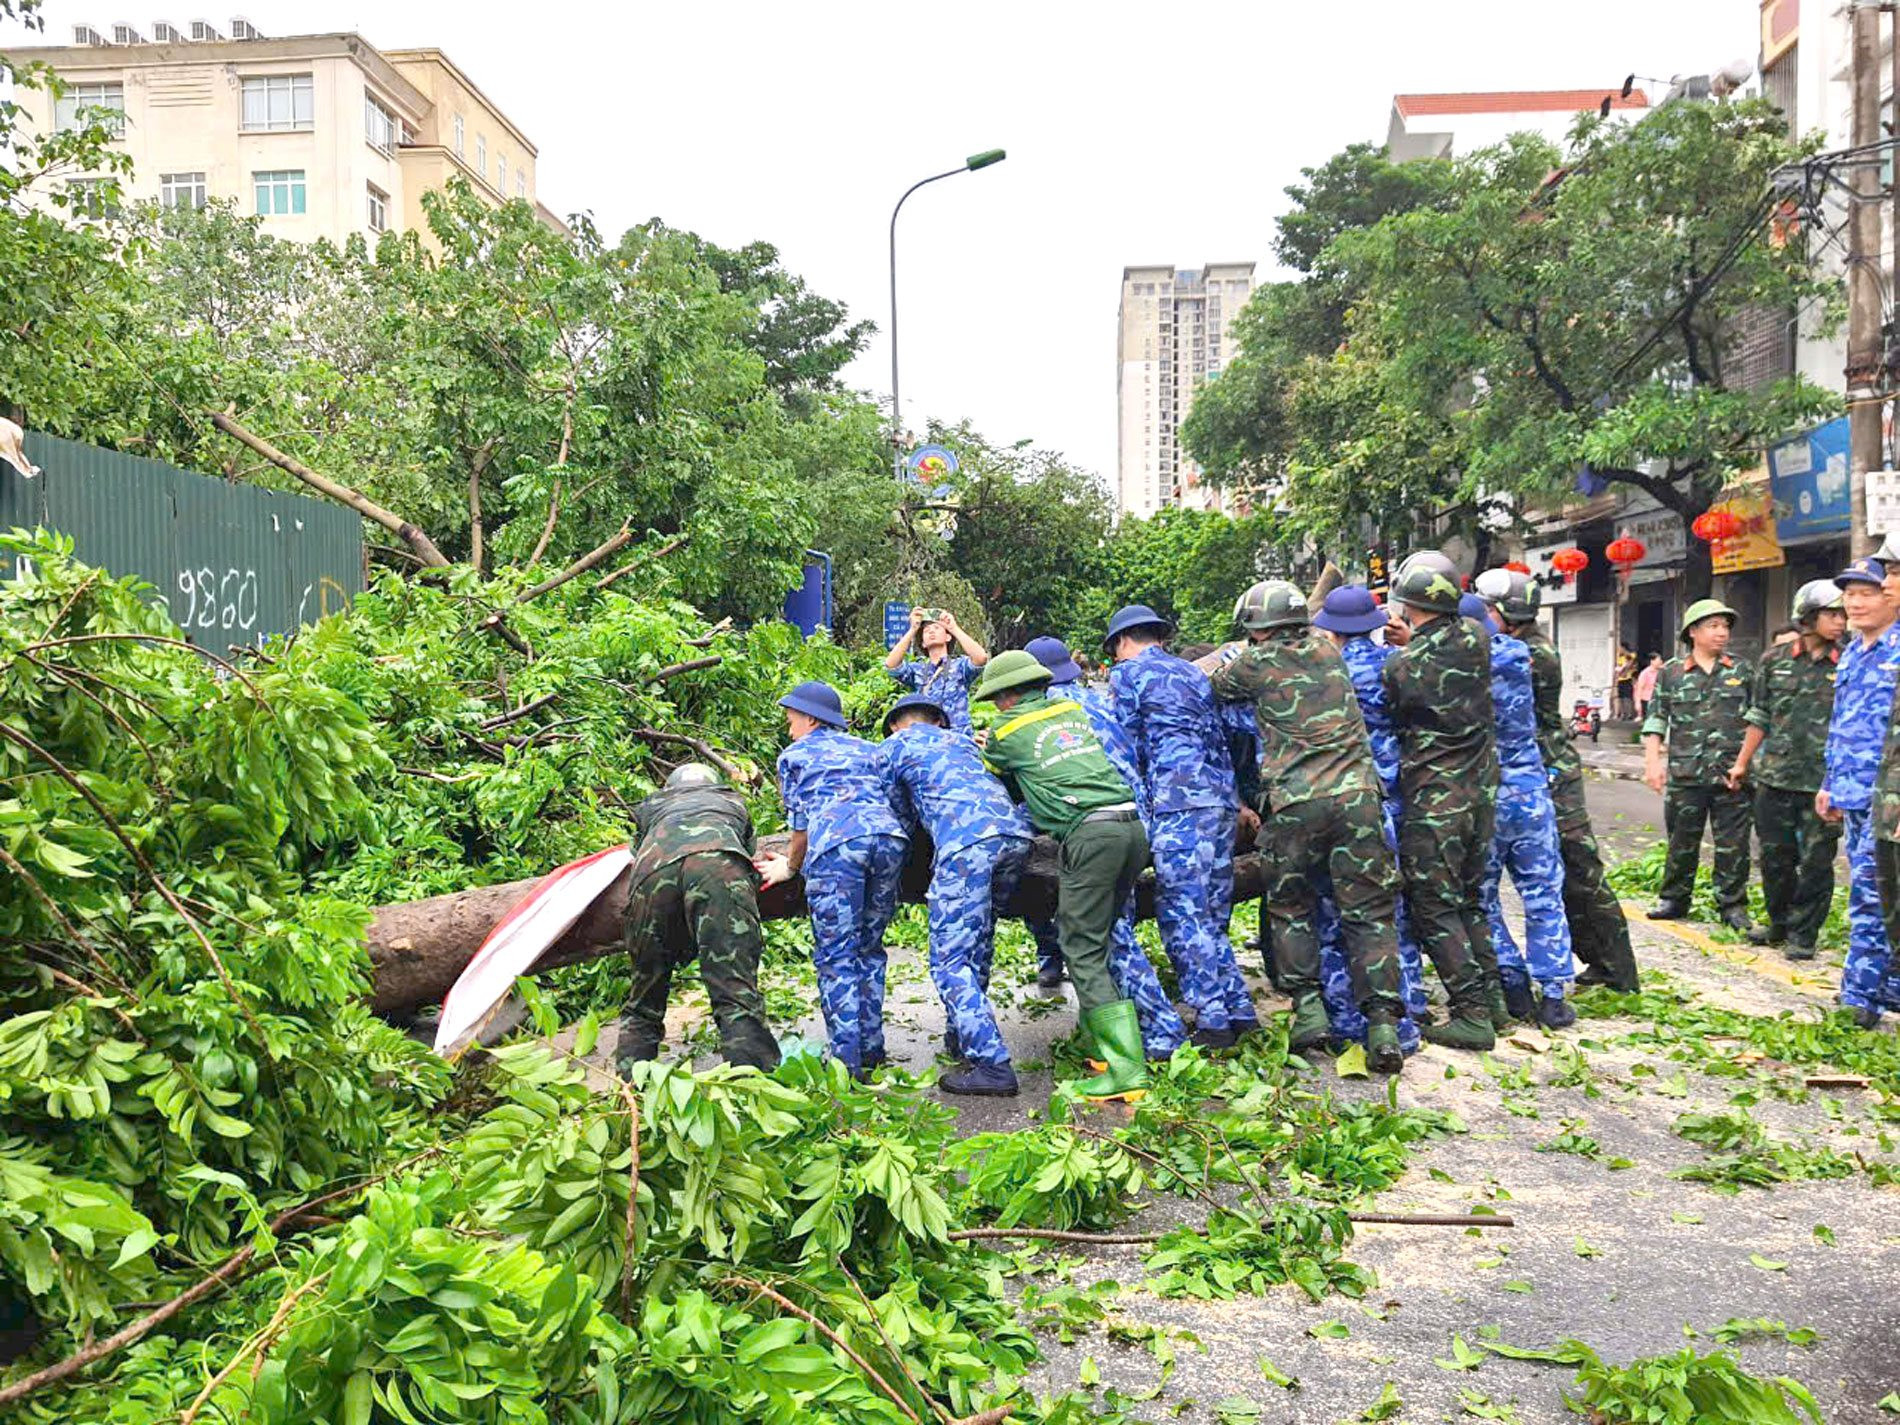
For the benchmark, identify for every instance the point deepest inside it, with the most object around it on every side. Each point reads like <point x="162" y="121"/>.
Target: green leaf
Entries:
<point x="1352" y="1063"/>
<point x="1276" y="1376"/>
<point x="1329" y="1331"/>
<point x="1766" y="1264"/>
<point x="1463" y="1357"/>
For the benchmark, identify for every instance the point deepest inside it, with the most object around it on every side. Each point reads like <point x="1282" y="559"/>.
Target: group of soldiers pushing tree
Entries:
<point x="1390" y="763"/>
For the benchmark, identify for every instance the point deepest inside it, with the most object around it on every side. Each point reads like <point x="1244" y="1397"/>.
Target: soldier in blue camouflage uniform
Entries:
<point x="1439" y="689"/>
<point x="1321" y="816"/>
<point x="1863" y="704"/>
<point x="936" y="779"/>
<point x="850" y="846"/>
<point x="944" y="678"/>
<point x="692" y="894"/>
<point x="1350" y="615"/>
<point x="1161" y="1029"/>
<point x="1525" y="843"/>
<point x="1168" y="710"/>
<point x="1784" y="757"/>
<point x="1700" y="707"/>
<point x="1885" y="818"/>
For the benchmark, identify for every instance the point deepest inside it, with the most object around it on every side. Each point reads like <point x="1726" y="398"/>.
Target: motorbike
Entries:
<point x="1586" y="719"/>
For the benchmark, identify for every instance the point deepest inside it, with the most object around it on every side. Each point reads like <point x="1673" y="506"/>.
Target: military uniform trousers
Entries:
<point x="1241" y="1014"/>
<point x="1526" y="844"/>
<point x="1336" y="976"/>
<point x="1162" y="1031"/>
<point x="852" y="891"/>
<point x="1797" y="861"/>
<point x="1887" y="873"/>
<point x="1101" y="861"/>
<point x="1686" y="809"/>
<point x="1340" y="840"/>
<point x="1443" y="855"/>
<point x="968" y="889"/>
<point x="705" y="905"/>
<point x="1187" y="847"/>
<point x="1599" y="932"/>
<point x="1865" y="978"/>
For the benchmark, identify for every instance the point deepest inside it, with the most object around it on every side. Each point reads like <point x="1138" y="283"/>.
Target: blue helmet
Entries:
<point x="1134" y="616"/>
<point x="819" y="700"/>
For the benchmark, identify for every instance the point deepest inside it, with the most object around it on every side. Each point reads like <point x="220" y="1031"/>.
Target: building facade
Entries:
<point x="320" y="136"/>
<point x="1444" y="125"/>
<point x="1172" y="338"/>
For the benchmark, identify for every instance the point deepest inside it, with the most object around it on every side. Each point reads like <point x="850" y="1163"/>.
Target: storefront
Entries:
<point x="1807" y="477"/>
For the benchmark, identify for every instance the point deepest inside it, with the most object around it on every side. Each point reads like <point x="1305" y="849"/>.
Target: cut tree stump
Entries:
<point x="420" y="947"/>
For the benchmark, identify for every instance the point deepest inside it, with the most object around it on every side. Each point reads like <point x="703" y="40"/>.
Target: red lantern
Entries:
<point x="1570" y="563"/>
<point x="1625" y="551"/>
<point x="1517" y="566"/>
<point x="1716" y="525"/>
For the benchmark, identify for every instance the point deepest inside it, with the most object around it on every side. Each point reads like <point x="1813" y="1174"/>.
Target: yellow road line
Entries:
<point x="1768" y="966"/>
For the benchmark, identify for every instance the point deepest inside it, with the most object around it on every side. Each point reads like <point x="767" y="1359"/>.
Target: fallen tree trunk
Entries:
<point x="419" y="948"/>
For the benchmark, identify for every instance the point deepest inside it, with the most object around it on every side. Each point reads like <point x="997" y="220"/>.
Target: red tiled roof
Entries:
<point x="1518" y="101"/>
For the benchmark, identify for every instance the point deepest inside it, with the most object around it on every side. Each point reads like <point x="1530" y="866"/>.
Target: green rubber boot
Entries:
<point x="1469" y="1026"/>
<point x="1117" y="1041"/>
<point x="1383" y="1055"/>
<point x="1500" y="1008"/>
<point x="1311" y="1026"/>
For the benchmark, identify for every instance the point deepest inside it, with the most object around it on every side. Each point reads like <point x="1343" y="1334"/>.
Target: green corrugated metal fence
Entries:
<point x="233" y="563"/>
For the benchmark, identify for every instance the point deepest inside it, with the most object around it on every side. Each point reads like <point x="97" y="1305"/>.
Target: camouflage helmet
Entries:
<point x="1272" y="603"/>
<point x="1427" y="580"/>
<point x="1814" y="597"/>
<point x="1514" y="594"/>
<point x="693" y="774"/>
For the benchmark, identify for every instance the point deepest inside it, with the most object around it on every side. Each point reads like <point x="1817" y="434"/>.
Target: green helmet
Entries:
<point x="1272" y="603"/>
<point x="1814" y="597"/>
<point x="693" y="774"/>
<point x="1514" y="594"/>
<point x="1427" y="580"/>
<point x="1701" y="609"/>
<point x="1017" y="668"/>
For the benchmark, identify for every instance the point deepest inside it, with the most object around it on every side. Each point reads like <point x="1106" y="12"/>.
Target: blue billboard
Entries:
<point x="896" y="623"/>
<point x="1808" y="478"/>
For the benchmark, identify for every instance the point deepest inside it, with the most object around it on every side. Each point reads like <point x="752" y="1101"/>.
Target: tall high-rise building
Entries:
<point x="321" y="136"/>
<point x="1173" y="337"/>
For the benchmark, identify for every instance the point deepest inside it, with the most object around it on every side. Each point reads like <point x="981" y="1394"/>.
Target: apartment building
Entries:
<point x="1173" y="338"/>
<point x="321" y="136"/>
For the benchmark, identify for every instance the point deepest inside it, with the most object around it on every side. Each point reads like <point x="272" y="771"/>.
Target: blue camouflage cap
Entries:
<point x="815" y="699"/>
<point x="1865" y="570"/>
<point x="1054" y="655"/>
<point x="921" y="702"/>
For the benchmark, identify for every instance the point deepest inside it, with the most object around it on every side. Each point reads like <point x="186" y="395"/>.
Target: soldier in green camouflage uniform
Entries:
<point x="1321" y="815"/>
<point x="1439" y="687"/>
<point x="1700" y="708"/>
<point x="1599" y="934"/>
<point x="694" y="893"/>
<point x="1784" y="757"/>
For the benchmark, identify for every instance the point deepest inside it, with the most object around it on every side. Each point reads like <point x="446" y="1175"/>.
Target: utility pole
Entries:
<point x="1865" y="373"/>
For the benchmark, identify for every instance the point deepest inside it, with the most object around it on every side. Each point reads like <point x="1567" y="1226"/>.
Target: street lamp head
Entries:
<point x="984" y="159"/>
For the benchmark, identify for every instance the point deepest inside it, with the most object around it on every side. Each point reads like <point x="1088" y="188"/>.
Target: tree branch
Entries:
<point x="635" y="563"/>
<point x="477" y="467"/>
<point x="413" y="536"/>
<point x="784" y="1303"/>
<point x="673" y="670"/>
<point x="580" y="566"/>
<point x="698" y="746"/>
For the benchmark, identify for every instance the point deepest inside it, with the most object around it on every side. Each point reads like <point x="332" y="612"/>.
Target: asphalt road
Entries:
<point x="1609" y="1249"/>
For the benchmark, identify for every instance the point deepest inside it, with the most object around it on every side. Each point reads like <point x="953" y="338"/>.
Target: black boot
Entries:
<point x="1519" y="1000"/>
<point x="1668" y="910"/>
<point x="1555" y="1013"/>
<point x="1799" y="950"/>
<point x="1736" y="917"/>
<point x="1770" y="934"/>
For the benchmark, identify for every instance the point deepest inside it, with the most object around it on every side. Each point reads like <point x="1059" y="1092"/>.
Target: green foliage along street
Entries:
<point x="229" y="1191"/>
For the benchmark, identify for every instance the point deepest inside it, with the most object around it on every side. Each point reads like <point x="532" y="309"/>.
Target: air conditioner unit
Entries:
<point x="243" y="29"/>
<point x="124" y="34"/>
<point x="87" y="35"/>
<point x="203" y="31"/>
<point x="166" y="33"/>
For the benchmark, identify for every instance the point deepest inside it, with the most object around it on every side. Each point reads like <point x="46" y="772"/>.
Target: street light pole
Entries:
<point x="970" y="165"/>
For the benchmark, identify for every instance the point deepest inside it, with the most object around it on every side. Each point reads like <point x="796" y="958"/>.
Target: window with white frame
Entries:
<point x="382" y="128"/>
<point x="481" y="154"/>
<point x="461" y="136"/>
<point x="521" y="183"/>
<point x="378" y="210"/>
<point x="181" y="190"/>
<point x="78" y="97"/>
<point x="93" y="197"/>
<point x="278" y="103"/>
<point x="280" y="192"/>
<point x="501" y="175"/>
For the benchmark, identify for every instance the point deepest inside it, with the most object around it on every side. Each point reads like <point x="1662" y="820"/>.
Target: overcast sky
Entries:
<point x="1160" y="133"/>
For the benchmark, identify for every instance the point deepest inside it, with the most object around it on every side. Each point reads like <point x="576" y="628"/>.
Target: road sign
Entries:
<point x="930" y="465"/>
<point x="896" y="623"/>
<point x="1883" y="502"/>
